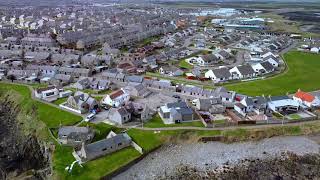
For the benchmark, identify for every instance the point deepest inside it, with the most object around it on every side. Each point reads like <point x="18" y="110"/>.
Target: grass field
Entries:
<point x="156" y="121"/>
<point x="60" y="101"/>
<point x="51" y="116"/>
<point x="94" y="169"/>
<point x="303" y="73"/>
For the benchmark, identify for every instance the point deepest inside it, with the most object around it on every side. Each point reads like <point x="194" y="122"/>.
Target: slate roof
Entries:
<point x="134" y="78"/>
<point x="267" y="66"/>
<point x="177" y="104"/>
<point x="278" y="98"/>
<point x="95" y="149"/>
<point x="246" y="69"/>
<point x="222" y="73"/>
<point x="67" y="130"/>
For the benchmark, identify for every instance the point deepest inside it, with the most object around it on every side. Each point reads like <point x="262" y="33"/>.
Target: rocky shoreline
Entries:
<point x="273" y="158"/>
<point x="287" y="166"/>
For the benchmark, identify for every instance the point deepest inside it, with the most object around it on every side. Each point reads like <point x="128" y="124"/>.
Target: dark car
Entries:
<point x="176" y="96"/>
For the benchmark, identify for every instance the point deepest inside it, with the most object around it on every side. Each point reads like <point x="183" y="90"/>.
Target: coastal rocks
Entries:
<point x="208" y="158"/>
<point x="287" y="166"/>
<point x="19" y="152"/>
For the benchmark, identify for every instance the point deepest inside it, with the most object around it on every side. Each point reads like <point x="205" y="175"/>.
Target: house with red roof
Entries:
<point x="116" y="98"/>
<point x="306" y="99"/>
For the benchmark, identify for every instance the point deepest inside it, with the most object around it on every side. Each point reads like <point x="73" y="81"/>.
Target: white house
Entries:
<point x="306" y="99"/>
<point x="244" y="106"/>
<point x="283" y="104"/>
<point x="242" y="72"/>
<point x="116" y="98"/>
<point x="219" y="75"/>
<point x="315" y="50"/>
<point x="258" y="68"/>
<point x="264" y="55"/>
<point x="50" y="93"/>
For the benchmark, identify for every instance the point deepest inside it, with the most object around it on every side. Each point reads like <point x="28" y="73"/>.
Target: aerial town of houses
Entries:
<point x="124" y="66"/>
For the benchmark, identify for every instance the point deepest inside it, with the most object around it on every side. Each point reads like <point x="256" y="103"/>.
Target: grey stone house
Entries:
<point x="74" y="136"/>
<point x="119" y="115"/>
<point x="103" y="147"/>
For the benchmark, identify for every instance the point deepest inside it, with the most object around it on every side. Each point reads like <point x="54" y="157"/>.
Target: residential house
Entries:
<point x="137" y="90"/>
<point x="119" y="115"/>
<point x="171" y="71"/>
<point x="244" y="106"/>
<point x="116" y="98"/>
<point x="100" y="84"/>
<point x="242" y="72"/>
<point x="272" y="60"/>
<point x="315" y="50"/>
<point x="50" y="93"/>
<point x="162" y="85"/>
<point x="223" y="54"/>
<point x="134" y="79"/>
<point x="113" y="142"/>
<point x="219" y="75"/>
<point x="61" y="79"/>
<point x="37" y="56"/>
<point x="83" y="83"/>
<point x="65" y="59"/>
<point x="208" y="59"/>
<point x="206" y="104"/>
<point x="268" y="67"/>
<point x="82" y="102"/>
<point x="283" y="104"/>
<point x="74" y="136"/>
<point x="306" y="99"/>
<point x="176" y="112"/>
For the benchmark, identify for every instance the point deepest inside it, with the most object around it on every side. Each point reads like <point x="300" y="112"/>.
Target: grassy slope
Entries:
<point x="303" y="73"/>
<point x="49" y="115"/>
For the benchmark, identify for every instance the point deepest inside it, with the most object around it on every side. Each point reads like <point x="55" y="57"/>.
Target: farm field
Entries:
<point x="303" y="73"/>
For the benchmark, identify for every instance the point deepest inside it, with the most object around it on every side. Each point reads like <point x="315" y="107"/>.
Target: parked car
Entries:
<point x="90" y="117"/>
<point x="176" y="96"/>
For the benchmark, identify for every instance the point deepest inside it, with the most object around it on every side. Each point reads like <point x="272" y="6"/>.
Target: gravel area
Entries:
<point x="214" y="154"/>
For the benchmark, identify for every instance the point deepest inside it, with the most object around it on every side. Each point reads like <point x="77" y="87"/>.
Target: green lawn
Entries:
<point x="303" y="73"/>
<point x="184" y="64"/>
<point x="51" y="116"/>
<point x="222" y="121"/>
<point x="294" y="116"/>
<point x="156" y="121"/>
<point x="93" y="169"/>
<point x="60" y="101"/>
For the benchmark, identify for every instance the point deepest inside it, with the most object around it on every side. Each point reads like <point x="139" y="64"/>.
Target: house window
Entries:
<point x="119" y="144"/>
<point x="104" y="149"/>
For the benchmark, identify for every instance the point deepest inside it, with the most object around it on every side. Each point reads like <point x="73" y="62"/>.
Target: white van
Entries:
<point x="90" y="117"/>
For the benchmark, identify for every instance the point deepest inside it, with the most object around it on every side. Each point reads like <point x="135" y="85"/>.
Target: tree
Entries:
<point x="11" y="77"/>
